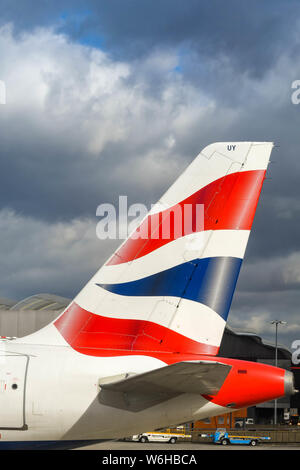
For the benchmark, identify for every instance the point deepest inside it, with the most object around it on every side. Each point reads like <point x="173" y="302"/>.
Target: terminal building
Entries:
<point x="18" y="319"/>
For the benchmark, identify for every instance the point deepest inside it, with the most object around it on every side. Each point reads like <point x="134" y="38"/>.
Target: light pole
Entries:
<point x="276" y="323"/>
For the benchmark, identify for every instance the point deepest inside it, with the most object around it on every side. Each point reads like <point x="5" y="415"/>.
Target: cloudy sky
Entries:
<point x="114" y="97"/>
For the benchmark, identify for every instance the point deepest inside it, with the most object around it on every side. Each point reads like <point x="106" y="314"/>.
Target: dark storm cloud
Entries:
<point x="48" y="257"/>
<point x="251" y="33"/>
<point x="48" y="171"/>
<point x="254" y="313"/>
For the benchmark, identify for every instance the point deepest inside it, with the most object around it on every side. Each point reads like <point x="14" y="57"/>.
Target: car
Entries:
<point x="157" y="437"/>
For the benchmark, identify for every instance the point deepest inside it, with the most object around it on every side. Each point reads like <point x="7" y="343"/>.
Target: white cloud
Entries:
<point x="81" y="100"/>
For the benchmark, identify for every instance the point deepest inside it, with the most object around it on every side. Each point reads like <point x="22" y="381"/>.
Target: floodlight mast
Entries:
<point x="276" y="323"/>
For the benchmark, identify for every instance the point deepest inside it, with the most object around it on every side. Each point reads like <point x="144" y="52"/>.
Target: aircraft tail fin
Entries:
<point x="169" y="286"/>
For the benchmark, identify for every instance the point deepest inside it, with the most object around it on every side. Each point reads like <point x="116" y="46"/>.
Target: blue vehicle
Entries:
<point x="222" y="437"/>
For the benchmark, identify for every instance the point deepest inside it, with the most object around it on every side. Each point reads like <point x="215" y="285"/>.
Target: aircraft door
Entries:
<point x="13" y="370"/>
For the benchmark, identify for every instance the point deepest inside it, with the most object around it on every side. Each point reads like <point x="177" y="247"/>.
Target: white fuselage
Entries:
<point x="51" y="393"/>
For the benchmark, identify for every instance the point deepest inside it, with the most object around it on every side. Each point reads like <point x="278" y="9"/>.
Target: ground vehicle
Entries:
<point x="221" y="436"/>
<point x="157" y="437"/>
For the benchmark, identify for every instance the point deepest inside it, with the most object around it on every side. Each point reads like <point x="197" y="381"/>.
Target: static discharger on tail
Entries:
<point x="137" y="348"/>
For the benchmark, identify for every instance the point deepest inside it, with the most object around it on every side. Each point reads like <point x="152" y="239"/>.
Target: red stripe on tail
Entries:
<point x="229" y="204"/>
<point x="96" y="335"/>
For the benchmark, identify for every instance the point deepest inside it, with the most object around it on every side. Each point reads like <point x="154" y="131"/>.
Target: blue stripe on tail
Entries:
<point x="210" y="281"/>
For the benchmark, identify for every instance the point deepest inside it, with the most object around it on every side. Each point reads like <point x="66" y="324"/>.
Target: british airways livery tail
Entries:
<point x="136" y="350"/>
<point x="173" y="293"/>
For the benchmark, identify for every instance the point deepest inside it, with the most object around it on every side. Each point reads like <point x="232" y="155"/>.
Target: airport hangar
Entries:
<point x="18" y="319"/>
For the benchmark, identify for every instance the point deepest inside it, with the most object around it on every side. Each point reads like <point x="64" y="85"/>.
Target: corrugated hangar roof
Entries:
<point x="42" y="302"/>
<point x="6" y="304"/>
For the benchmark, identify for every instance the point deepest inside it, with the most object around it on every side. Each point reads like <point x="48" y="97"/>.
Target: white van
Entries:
<point x="156" y="437"/>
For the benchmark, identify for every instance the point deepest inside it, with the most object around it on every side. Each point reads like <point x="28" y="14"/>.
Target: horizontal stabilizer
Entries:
<point x="142" y="391"/>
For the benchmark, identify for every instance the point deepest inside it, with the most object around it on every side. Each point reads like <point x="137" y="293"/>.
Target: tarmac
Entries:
<point x="180" y="446"/>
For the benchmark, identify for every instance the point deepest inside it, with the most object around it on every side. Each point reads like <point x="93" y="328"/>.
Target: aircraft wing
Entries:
<point x="142" y="391"/>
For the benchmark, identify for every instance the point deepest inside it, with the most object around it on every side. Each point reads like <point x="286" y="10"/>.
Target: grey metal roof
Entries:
<point x="42" y="302"/>
<point x="6" y="304"/>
